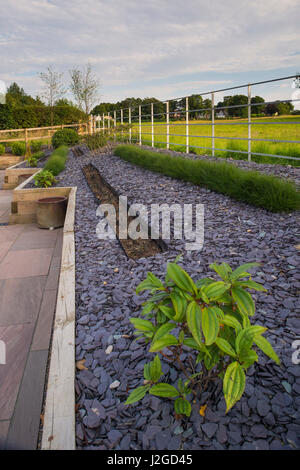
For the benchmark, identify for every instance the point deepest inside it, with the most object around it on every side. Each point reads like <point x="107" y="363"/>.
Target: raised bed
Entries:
<point x="23" y="205"/>
<point x="7" y="160"/>
<point x="267" y="416"/>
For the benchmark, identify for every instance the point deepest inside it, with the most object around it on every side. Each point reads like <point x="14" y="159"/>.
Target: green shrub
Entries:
<point x="68" y="137"/>
<point x="209" y="317"/>
<point x="33" y="159"/>
<point x="56" y="162"/>
<point x="2" y="149"/>
<point x="44" y="179"/>
<point x="94" y="142"/>
<point x="18" y="148"/>
<point x="36" y="145"/>
<point x="252" y="187"/>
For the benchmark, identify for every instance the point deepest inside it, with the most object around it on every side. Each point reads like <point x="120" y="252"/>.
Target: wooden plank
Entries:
<point x="59" y="416"/>
<point x="70" y="214"/>
<point x="33" y="194"/>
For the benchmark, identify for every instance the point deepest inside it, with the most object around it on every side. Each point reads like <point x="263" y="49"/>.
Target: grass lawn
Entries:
<point x="228" y="128"/>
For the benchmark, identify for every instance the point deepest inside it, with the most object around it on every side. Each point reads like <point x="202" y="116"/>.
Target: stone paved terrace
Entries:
<point x="29" y="273"/>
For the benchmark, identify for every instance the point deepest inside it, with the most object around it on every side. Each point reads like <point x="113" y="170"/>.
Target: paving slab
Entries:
<point x="20" y="299"/>
<point x="29" y="274"/>
<point x="24" y="426"/>
<point x="17" y="339"/>
<point x="4" y="425"/>
<point x="26" y="263"/>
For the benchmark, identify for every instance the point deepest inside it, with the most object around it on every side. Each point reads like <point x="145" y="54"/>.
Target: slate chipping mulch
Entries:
<point x="267" y="416"/>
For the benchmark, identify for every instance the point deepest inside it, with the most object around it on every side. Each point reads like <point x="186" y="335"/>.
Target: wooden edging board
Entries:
<point x="59" y="416"/>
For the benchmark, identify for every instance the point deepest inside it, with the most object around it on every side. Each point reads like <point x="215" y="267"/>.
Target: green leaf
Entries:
<point x="148" y="307"/>
<point x="163" y="330"/>
<point x="244" y="301"/>
<point x="164" y="390"/>
<point x="168" y="340"/>
<point x="266" y="348"/>
<point x="193" y="316"/>
<point x="191" y="343"/>
<point x="181" y="337"/>
<point x="251" y="285"/>
<point x="179" y="304"/>
<point x="215" y="290"/>
<point x="182" y="407"/>
<point x="137" y="395"/>
<point x="155" y="369"/>
<point x="181" y="278"/>
<point x="245" y="338"/>
<point x="229" y="320"/>
<point x="247" y="358"/>
<point x="225" y="347"/>
<point x="241" y="271"/>
<point x="210" y="325"/>
<point x="168" y="311"/>
<point x="147" y="373"/>
<point x="233" y="384"/>
<point x="151" y="282"/>
<point x="222" y="269"/>
<point x="142" y="325"/>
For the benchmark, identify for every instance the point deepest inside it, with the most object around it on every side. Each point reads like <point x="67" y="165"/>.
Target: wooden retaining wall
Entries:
<point x="7" y="160"/>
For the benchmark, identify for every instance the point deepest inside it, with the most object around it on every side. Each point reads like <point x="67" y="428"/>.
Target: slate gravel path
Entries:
<point x="267" y="416"/>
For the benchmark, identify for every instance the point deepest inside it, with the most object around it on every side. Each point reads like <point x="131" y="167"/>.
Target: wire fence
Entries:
<point x="178" y="124"/>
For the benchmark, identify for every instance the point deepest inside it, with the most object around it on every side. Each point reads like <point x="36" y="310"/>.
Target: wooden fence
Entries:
<point x="41" y="133"/>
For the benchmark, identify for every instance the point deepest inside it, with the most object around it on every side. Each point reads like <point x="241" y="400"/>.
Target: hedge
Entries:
<point x="252" y="187"/>
<point x="38" y="116"/>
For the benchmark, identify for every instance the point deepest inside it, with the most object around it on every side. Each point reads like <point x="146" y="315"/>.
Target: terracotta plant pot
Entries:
<point x="51" y="212"/>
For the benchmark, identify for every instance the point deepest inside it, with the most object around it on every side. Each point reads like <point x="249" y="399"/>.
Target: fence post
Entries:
<point x="49" y="138"/>
<point x="213" y="123"/>
<point x="129" y="121"/>
<point x="249" y="123"/>
<point x="140" y="125"/>
<point x="168" y="124"/>
<point x="26" y="139"/>
<point x="152" y="126"/>
<point x="108" y="124"/>
<point x="115" y="118"/>
<point x="187" y="123"/>
<point x="103" y="123"/>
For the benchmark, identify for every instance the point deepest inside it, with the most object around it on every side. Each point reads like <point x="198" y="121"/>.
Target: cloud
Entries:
<point x="138" y="48"/>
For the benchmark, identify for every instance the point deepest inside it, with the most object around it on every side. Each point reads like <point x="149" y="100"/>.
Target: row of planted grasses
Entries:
<point x="251" y="187"/>
<point x="57" y="161"/>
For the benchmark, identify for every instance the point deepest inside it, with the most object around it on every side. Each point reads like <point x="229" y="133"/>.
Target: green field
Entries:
<point x="290" y="131"/>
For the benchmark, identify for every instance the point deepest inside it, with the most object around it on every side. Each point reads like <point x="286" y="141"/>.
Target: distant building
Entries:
<point x="220" y="114"/>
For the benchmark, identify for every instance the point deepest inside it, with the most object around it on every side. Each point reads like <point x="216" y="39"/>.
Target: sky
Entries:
<point x="160" y="48"/>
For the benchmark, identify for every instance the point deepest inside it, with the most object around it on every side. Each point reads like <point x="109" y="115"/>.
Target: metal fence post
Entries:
<point x="213" y="123"/>
<point x="129" y="122"/>
<point x="168" y="124"/>
<point x="187" y="123"/>
<point x="122" y="123"/>
<point x="249" y="123"/>
<point x="103" y="123"/>
<point x="140" y="125"/>
<point x="115" y="118"/>
<point x="152" y="126"/>
<point x="108" y="124"/>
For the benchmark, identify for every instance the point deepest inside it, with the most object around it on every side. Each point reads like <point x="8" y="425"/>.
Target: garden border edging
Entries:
<point x="59" y="416"/>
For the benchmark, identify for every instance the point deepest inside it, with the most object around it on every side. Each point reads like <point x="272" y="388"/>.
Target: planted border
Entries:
<point x="251" y="187"/>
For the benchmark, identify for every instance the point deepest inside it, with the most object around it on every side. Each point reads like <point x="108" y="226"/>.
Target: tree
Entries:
<point x="53" y="88"/>
<point x="84" y="86"/>
<point x="16" y="97"/>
